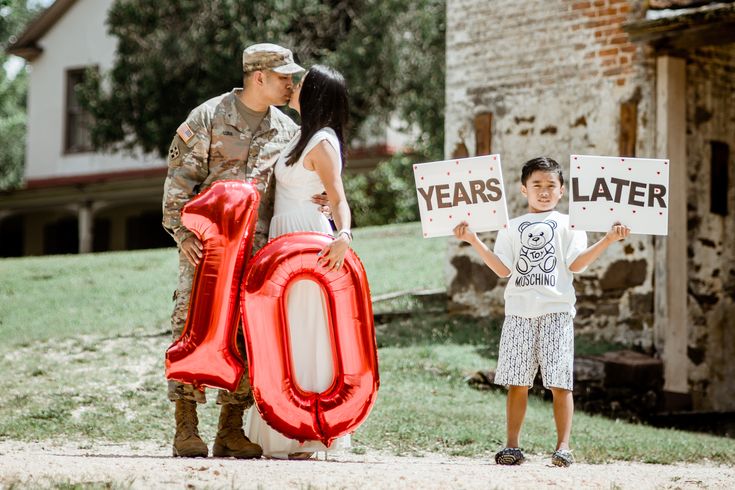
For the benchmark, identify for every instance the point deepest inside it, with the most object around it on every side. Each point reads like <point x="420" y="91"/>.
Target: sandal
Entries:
<point x="300" y="456"/>
<point x="510" y="456"/>
<point x="562" y="457"/>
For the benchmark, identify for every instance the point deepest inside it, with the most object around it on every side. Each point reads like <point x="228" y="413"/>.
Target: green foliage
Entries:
<point x="174" y="55"/>
<point x="129" y="293"/>
<point x="12" y="128"/>
<point x="14" y="14"/>
<point x="386" y="194"/>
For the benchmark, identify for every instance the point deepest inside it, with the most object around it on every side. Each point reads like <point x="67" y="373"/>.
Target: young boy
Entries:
<point x="539" y="252"/>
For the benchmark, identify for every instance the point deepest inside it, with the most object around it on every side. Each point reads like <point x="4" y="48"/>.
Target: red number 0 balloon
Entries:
<point x="224" y="218"/>
<point x="294" y="412"/>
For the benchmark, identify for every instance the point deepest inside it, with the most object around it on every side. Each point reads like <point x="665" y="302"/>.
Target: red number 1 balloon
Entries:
<point x="223" y="217"/>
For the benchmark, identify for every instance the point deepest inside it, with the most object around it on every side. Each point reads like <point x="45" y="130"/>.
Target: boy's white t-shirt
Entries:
<point x="538" y="248"/>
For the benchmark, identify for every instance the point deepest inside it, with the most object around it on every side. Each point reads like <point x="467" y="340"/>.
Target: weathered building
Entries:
<point x="614" y="77"/>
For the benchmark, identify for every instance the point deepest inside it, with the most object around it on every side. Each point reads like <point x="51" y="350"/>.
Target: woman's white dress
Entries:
<point x="310" y="341"/>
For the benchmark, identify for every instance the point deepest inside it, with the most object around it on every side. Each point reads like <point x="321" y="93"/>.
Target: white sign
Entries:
<point x="452" y="191"/>
<point x="632" y="191"/>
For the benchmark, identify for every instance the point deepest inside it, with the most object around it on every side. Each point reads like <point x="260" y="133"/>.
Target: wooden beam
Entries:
<point x="671" y="276"/>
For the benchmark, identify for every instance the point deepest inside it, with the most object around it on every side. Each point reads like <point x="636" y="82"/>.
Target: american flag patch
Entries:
<point x="185" y="133"/>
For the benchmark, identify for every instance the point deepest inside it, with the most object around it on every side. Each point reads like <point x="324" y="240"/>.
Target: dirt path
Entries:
<point x="149" y="466"/>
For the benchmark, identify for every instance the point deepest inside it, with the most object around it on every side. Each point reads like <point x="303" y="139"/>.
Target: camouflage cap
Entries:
<point x="267" y="56"/>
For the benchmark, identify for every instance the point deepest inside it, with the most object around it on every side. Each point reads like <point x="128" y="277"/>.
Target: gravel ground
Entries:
<point x="150" y="466"/>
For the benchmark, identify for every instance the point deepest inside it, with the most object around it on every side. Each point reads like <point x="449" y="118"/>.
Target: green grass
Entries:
<point x="129" y="293"/>
<point x="84" y="337"/>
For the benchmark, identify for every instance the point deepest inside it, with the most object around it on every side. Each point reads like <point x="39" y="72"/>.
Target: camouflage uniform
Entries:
<point x="215" y="143"/>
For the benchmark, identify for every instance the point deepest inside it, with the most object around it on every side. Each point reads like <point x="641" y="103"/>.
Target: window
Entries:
<point x="719" y="177"/>
<point x="78" y="137"/>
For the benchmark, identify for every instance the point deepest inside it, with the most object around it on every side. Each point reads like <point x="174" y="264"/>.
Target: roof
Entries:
<point x="681" y="25"/>
<point x="677" y="4"/>
<point x="26" y="45"/>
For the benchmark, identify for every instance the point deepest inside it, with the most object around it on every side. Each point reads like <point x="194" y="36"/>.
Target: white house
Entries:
<point x="75" y="199"/>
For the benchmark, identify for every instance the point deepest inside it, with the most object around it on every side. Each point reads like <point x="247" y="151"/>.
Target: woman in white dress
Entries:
<point x="310" y="164"/>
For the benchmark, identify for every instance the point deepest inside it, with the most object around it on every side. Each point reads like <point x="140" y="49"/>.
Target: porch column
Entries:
<point x="671" y="279"/>
<point x="85" y="218"/>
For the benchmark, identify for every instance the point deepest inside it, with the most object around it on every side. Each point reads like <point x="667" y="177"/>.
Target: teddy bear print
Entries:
<point x="537" y="249"/>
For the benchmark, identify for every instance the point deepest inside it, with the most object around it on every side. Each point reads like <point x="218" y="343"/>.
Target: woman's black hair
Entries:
<point x="324" y="103"/>
<point x="544" y="164"/>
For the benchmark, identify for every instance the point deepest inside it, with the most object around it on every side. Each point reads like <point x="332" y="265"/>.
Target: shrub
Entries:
<point x="386" y="194"/>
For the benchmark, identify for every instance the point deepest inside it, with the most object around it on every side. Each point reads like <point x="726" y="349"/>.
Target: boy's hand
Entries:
<point x="462" y="232"/>
<point x="617" y="232"/>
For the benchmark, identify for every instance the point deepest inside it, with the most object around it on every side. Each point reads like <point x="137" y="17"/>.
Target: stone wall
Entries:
<point x="711" y="235"/>
<point x="554" y="74"/>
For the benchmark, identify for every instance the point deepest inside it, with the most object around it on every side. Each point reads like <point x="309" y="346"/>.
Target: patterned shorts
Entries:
<point x="545" y="341"/>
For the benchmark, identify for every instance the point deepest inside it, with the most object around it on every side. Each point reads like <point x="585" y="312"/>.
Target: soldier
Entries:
<point x="237" y="135"/>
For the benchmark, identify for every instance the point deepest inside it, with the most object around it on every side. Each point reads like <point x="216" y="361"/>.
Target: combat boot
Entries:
<point x="231" y="440"/>
<point x="187" y="442"/>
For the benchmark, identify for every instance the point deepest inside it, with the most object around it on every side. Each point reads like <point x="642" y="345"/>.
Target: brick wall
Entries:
<point x="554" y="74"/>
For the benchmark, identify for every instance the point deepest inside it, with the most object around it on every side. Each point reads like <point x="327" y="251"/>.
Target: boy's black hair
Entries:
<point x="543" y="164"/>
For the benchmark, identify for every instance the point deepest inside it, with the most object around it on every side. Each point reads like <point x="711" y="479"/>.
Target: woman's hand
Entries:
<point x="333" y="255"/>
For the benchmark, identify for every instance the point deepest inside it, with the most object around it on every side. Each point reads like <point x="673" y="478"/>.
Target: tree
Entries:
<point x="174" y="55"/>
<point x="14" y="14"/>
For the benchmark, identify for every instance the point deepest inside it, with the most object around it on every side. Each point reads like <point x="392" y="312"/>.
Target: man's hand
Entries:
<point x="192" y="249"/>
<point x="323" y="202"/>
